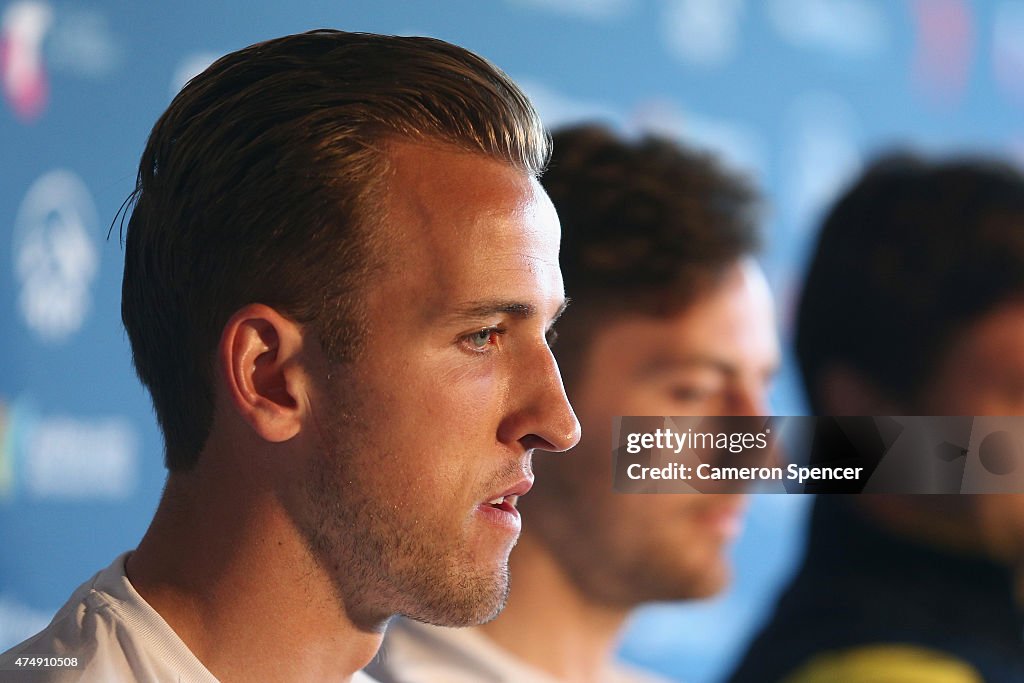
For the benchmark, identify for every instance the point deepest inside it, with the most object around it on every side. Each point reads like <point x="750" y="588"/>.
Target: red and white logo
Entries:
<point x="22" y="70"/>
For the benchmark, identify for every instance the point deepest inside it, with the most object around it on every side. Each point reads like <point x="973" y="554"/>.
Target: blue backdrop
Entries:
<point x="796" y="92"/>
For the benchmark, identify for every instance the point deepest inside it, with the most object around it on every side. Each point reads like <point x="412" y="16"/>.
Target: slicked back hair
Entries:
<point x="647" y="225"/>
<point x="261" y="183"/>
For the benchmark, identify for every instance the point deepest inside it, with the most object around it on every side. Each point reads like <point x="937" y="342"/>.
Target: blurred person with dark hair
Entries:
<point x="340" y="279"/>
<point x="913" y="305"/>
<point x="670" y="316"/>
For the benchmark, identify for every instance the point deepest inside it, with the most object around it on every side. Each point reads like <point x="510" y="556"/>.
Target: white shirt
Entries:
<point x="115" y="636"/>
<point x="420" y="653"/>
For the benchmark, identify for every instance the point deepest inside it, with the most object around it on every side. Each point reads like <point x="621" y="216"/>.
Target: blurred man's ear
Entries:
<point x="844" y="391"/>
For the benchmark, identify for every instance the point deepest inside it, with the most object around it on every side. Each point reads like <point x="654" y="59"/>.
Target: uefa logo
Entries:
<point x="55" y="259"/>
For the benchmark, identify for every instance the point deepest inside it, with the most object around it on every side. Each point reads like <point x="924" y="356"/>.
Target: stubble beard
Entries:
<point x="613" y="562"/>
<point x="385" y="556"/>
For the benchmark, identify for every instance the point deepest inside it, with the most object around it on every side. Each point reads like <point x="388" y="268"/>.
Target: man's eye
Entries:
<point x="690" y="394"/>
<point x="479" y="341"/>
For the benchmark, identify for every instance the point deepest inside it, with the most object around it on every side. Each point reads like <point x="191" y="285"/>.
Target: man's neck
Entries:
<point x="550" y="624"/>
<point x="242" y="591"/>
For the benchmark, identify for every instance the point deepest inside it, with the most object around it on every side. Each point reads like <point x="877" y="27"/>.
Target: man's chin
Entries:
<point x="689" y="582"/>
<point x="465" y="601"/>
<point x="710" y="583"/>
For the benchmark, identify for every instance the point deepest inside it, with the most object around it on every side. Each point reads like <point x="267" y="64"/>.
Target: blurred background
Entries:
<point x="796" y="93"/>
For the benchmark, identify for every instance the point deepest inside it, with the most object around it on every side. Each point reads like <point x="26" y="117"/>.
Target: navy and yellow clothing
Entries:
<point x="866" y="602"/>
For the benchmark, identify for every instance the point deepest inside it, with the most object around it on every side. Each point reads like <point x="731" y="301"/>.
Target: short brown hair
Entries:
<point x="647" y="224"/>
<point x="258" y="185"/>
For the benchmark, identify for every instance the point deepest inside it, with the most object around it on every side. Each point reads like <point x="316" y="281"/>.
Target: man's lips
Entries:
<point x="507" y="499"/>
<point x="501" y="507"/>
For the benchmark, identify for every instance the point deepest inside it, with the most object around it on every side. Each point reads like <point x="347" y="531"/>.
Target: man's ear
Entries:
<point x="260" y="366"/>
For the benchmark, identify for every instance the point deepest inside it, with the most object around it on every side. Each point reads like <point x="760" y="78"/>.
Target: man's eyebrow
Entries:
<point x="561" y="310"/>
<point x="517" y="309"/>
<point x="662" y="364"/>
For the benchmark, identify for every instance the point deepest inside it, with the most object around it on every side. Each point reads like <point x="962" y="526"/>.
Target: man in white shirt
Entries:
<point x="671" y="316"/>
<point x="340" y="277"/>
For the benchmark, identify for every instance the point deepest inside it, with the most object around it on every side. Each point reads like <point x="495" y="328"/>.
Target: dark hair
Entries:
<point x="909" y="255"/>
<point x="646" y="225"/>
<point x="261" y="181"/>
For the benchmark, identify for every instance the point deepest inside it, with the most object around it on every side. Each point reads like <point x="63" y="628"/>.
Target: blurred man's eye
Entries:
<point x="691" y="393"/>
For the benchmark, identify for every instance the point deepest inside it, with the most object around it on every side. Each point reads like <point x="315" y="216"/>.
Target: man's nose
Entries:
<point x="544" y="419"/>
